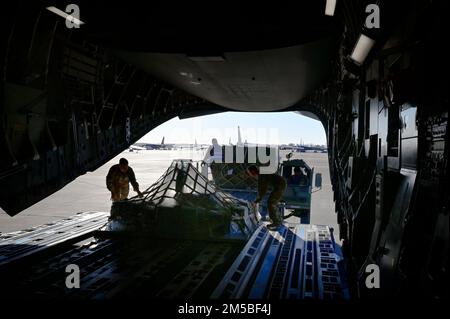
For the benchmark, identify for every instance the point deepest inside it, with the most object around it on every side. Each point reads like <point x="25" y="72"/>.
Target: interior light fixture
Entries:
<point x="330" y="7"/>
<point x="362" y="49"/>
<point x="65" y="15"/>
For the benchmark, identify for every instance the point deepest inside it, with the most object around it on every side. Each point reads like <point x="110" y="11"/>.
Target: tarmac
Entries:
<point x="89" y="193"/>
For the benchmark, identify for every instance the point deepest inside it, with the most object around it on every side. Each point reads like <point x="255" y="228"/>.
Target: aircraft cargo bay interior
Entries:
<point x="252" y="152"/>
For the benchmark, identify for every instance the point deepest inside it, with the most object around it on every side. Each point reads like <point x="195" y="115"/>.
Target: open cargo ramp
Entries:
<point x="294" y="262"/>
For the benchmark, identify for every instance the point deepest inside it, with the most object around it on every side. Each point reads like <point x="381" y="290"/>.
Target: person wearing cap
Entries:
<point x="118" y="179"/>
<point x="299" y="178"/>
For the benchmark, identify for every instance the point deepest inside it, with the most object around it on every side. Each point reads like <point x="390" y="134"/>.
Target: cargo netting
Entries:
<point x="232" y="174"/>
<point x="184" y="204"/>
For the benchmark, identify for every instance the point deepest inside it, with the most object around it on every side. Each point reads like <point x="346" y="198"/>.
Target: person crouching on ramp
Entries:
<point x="278" y="184"/>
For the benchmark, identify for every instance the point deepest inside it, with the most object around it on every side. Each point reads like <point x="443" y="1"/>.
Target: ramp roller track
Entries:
<point x="294" y="262"/>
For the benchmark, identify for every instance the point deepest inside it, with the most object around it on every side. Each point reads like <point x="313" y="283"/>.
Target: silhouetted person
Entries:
<point x="298" y="178"/>
<point x="118" y="179"/>
<point x="214" y="153"/>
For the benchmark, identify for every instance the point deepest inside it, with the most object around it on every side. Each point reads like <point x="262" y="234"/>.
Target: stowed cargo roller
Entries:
<point x="234" y="256"/>
<point x="20" y="244"/>
<point x="118" y="267"/>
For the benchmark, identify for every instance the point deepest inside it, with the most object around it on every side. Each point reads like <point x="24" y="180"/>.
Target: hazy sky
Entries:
<point x="262" y="128"/>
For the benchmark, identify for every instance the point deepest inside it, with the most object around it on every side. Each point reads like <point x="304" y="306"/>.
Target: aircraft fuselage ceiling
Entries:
<point x="73" y="98"/>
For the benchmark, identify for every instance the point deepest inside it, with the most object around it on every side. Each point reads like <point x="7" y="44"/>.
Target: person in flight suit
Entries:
<point x="118" y="179"/>
<point x="278" y="184"/>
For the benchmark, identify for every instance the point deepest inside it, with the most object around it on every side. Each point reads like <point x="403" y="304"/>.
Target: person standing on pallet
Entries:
<point x="118" y="179"/>
<point x="278" y="184"/>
